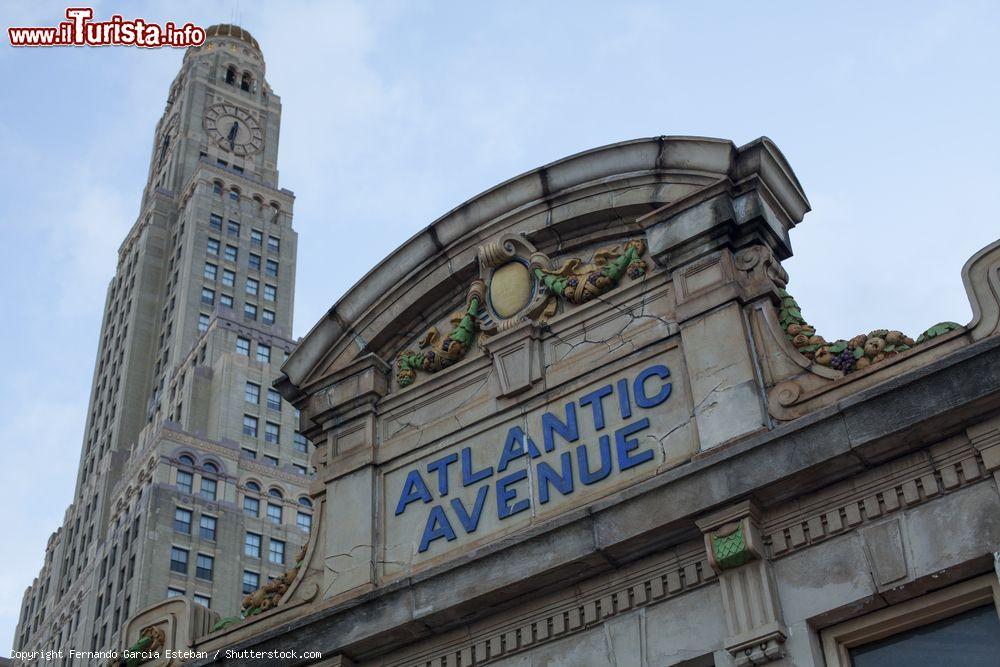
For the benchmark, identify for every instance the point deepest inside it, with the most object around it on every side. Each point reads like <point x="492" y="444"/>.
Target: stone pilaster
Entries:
<point x="735" y="549"/>
<point x="345" y="413"/>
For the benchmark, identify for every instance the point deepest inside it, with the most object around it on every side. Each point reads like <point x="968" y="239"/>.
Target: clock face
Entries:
<point x="168" y="138"/>
<point x="234" y="129"/>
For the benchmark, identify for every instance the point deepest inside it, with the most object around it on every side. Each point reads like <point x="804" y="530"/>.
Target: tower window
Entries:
<point x="251" y="581"/>
<point x="276" y="552"/>
<point x="178" y="560"/>
<point x="250" y="426"/>
<point x="231" y="75"/>
<point x="204" y="566"/>
<point x="245" y="82"/>
<point x="251" y="545"/>
<point x="251" y="507"/>
<point x="263" y="353"/>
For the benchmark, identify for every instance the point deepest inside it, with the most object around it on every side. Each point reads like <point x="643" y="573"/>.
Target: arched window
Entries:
<point x="231" y="75"/>
<point x="259" y="201"/>
<point x="211" y="468"/>
<point x="234" y="194"/>
<point x="245" y="81"/>
<point x="217" y="187"/>
<point x="184" y="459"/>
<point x="253" y="486"/>
<point x="305" y="502"/>
<point x="275" y="493"/>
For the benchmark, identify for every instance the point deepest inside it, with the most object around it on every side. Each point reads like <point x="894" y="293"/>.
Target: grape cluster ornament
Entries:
<point x="851" y="355"/>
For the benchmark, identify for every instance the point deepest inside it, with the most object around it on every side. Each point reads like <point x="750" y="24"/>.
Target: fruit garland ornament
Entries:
<point x="848" y="355"/>
<point x="264" y="598"/>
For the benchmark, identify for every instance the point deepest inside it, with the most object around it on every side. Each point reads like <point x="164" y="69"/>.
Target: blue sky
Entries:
<point x="396" y="112"/>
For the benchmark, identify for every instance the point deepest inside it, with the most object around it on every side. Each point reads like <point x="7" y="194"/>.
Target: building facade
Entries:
<point x="580" y="421"/>
<point x="192" y="477"/>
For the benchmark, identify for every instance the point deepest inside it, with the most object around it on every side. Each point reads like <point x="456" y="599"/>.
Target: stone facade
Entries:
<point x="573" y="423"/>
<point x="197" y="324"/>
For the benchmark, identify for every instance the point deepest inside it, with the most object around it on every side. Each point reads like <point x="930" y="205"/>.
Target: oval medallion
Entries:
<point x="510" y="289"/>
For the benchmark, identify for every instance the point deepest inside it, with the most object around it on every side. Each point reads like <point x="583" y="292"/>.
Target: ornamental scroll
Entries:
<point x="518" y="283"/>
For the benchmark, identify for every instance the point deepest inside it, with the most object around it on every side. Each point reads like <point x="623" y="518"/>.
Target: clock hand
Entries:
<point x="232" y="133"/>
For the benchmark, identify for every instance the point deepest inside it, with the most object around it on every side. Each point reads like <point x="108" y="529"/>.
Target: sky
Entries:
<point x="395" y="112"/>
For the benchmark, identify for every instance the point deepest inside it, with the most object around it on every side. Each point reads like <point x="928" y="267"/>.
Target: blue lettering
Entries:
<point x="469" y="477"/>
<point x="626" y="444"/>
<point x="414" y="489"/>
<point x="547" y="475"/>
<point x="594" y="399"/>
<point x="437" y="527"/>
<point x="514" y="448"/>
<point x="623" y="403"/>
<point x="470" y="523"/>
<point x="441" y="465"/>
<point x="588" y="477"/>
<point x="551" y="424"/>
<point x="505" y="494"/>
<point x="639" y="387"/>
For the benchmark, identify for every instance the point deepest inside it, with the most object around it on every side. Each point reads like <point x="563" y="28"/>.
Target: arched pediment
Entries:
<point x="567" y="209"/>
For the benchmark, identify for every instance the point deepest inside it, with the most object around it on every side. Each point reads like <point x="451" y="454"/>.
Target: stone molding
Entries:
<point x="897" y="486"/>
<point x="663" y="581"/>
<point x="981" y="276"/>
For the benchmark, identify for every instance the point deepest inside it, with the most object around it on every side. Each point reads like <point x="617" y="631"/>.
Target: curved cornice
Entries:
<point x="663" y="159"/>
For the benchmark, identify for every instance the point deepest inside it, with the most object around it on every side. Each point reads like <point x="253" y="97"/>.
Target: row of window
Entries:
<point x="207" y="490"/>
<point x="275" y="514"/>
<point x="251" y="505"/>
<point x="256" y="236"/>
<point x="263" y="350"/>
<point x="246" y="82"/>
<point x="252" y="395"/>
<point x="226" y="300"/>
<point x="204" y="564"/>
<point x="252" y="543"/>
<point x="251" y="582"/>
<point x="234" y="193"/>
<point x="211" y="272"/>
<point x="272" y="431"/>
<point x="206" y="524"/>
<point x="231" y="254"/>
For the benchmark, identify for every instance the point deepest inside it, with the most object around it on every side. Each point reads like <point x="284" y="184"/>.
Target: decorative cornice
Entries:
<point x="664" y="581"/>
<point x="923" y="479"/>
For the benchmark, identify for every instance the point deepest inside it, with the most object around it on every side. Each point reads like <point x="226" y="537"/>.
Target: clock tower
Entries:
<point x="220" y="110"/>
<point x="193" y="477"/>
